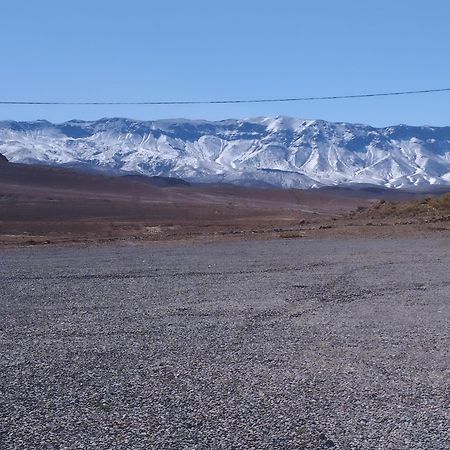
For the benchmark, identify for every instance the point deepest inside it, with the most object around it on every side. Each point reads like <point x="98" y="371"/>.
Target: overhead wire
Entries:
<point x="221" y="102"/>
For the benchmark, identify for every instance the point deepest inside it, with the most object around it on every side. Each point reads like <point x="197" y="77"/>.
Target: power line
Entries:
<point x="221" y="102"/>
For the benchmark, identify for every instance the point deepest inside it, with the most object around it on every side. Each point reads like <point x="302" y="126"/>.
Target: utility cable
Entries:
<point x="222" y="102"/>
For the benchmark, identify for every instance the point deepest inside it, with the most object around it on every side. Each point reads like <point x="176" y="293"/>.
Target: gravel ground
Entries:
<point x="309" y="344"/>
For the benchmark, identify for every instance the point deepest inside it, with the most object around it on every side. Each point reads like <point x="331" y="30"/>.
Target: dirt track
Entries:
<point x="279" y="344"/>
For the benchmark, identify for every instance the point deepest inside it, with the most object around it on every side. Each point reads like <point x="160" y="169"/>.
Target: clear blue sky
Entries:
<point x="137" y="50"/>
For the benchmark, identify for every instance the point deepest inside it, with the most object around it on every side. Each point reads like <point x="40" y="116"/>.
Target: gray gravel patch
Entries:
<point x="305" y="344"/>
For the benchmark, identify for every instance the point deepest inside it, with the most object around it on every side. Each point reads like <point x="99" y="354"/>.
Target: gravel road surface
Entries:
<point x="288" y="344"/>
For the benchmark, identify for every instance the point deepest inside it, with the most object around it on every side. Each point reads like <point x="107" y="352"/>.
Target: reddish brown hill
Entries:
<point x="40" y="204"/>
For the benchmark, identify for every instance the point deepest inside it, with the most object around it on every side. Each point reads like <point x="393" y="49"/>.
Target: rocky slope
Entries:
<point x="278" y="151"/>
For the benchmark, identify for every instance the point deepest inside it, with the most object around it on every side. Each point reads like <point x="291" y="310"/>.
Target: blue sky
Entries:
<point x="198" y="50"/>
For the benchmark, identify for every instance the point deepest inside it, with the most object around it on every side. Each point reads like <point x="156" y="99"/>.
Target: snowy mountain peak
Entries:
<point x="282" y="151"/>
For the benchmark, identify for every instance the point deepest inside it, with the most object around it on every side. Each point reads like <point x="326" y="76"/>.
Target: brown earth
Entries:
<point x="43" y="205"/>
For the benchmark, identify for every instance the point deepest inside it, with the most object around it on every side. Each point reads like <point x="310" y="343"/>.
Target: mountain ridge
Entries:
<point x="280" y="151"/>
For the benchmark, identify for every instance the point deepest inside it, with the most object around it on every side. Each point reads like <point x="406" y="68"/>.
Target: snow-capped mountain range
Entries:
<point x="279" y="151"/>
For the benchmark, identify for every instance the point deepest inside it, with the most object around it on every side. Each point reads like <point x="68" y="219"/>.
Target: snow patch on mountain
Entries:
<point x="281" y="151"/>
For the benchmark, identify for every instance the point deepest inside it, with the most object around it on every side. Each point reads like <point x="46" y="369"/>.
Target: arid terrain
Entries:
<point x="220" y="316"/>
<point x="43" y="205"/>
<point x="300" y="344"/>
